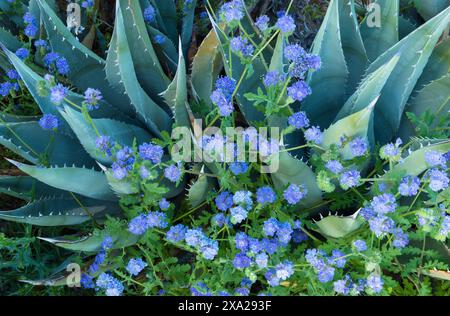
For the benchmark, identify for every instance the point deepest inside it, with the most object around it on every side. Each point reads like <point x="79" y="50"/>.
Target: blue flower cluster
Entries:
<point x="222" y="96"/>
<point x="140" y="224"/>
<point x="194" y="238"/>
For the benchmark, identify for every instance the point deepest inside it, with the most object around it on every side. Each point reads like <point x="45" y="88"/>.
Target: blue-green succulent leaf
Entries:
<point x="187" y="25"/>
<point x="27" y="188"/>
<point x="86" y="182"/>
<point x="437" y="67"/>
<point x="429" y="9"/>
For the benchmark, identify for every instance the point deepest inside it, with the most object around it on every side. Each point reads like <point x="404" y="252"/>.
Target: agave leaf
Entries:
<point x="166" y="49"/>
<point x="206" y="67"/>
<point x="27" y="188"/>
<point x="294" y="171"/>
<point x="415" y="51"/>
<point x="351" y="126"/>
<point x="405" y="27"/>
<point x="187" y="25"/>
<point x="433" y="98"/>
<point x="377" y="40"/>
<point x="58" y="211"/>
<point x="86" y="182"/>
<point x="199" y="191"/>
<point x="338" y="227"/>
<point x="176" y="93"/>
<point x="437" y="67"/>
<point x="119" y="132"/>
<point x="33" y="143"/>
<point x="329" y="83"/>
<point x="120" y="72"/>
<point x="250" y="84"/>
<point x="146" y="64"/>
<point x="93" y="243"/>
<point x="429" y="9"/>
<point x="9" y="40"/>
<point x="414" y="164"/>
<point x="87" y="69"/>
<point x="12" y="118"/>
<point x="167" y="18"/>
<point x="352" y="44"/>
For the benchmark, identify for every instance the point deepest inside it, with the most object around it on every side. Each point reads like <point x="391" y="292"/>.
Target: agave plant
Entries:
<point x="368" y="80"/>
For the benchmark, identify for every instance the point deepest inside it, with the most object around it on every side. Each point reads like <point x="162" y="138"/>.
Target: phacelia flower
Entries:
<point x="159" y="39"/>
<point x="381" y="225"/>
<point x="435" y="159"/>
<point x="238" y="168"/>
<point x="401" y="238"/>
<point x="340" y="287"/>
<point x="409" y="186"/>
<point x="119" y="172"/>
<point x="58" y="93"/>
<point x="299" y="120"/>
<point x="243" y="198"/>
<point x="111" y="285"/>
<point x="172" y="173"/>
<point x="285" y="24"/>
<point x="209" y="249"/>
<point x="22" y="53"/>
<point x="194" y="237"/>
<point x="262" y="23"/>
<point x="232" y="11"/>
<point x="224" y="201"/>
<point x="383" y="204"/>
<point x="149" y="14"/>
<point x="313" y="135"/>
<point x="271" y="277"/>
<point x="270" y="227"/>
<point x="391" y="151"/>
<point x="220" y="220"/>
<point x="156" y="220"/>
<point x="62" y="66"/>
<point x="337" y="259"/>
<point x="176" y="233"/>
<point x="265" y="195"/>
<point x="349" y="179"/>
<point x="41" y="44"/>
<point x="358" y="147"/>
<point x="374" y="283"/>
<point x="299" y="90"/>
<point x="238" y="214"/>
<point x="49" y="121"/>
<point x="241" y="261"/>
<point x="360" y="245"/>
<point x="13" y="74"/>
<point x="91" y="98"/>
<point x="438" y="180"/>
<point x="272" y="78"/>
<point x="138" y="225"/>
<point x="294" y="193"/>
<point x="239" y="44"/>
<point x="164" y="204"/>
<point x="284" y="270"/>
<point x="326" y="274"/>
<point x="5" y="88"/>
<point x="334" y="166"/>
<point x="294" y="52"/>
<point x="151" y="152"/>
<point x="135" y="266"/>
<point x="87" y="4"/>
<point x="261" y="260"/>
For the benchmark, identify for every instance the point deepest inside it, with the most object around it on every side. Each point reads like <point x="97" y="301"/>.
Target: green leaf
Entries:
<point x="167" y="18"/>
<point x="37" y="145"/>
<point x="9" y="40"/>
<point x="328" y="83"/>
<point x="351" y="126"/>
<point x="187" y="25"/>
<point x="199" y="191"/>
<point x="146" y="64"/>
<point x="121" y="133"/>
<point x="294" y="171"/>
<point x="120" y="72"/>
<point x="27" y="188"/>
<point x="338" y="227"/>
<point x="86" y="182"/>
<point x="176" y="94"/>
<point x="206" y="67"/>
<point x="87" y="69"/>
<point x="437" y="67"/>
<point x="429" y="9"/>
<point x="433" y="98"/>
<point x="415" y="50"/>
<point x="93" y="243"/>
<point x="54" y="211"/>
<point x="377" y="40"/>
<point x="352" y="44"/>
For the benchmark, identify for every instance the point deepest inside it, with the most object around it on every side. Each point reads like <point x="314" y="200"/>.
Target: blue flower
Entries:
<point x="164" y="204"/>
<point x="224" y="201"/>
<point x="375" y="283"/>
<point x="149" y="14"/>
<point x="22" y="53"/>
<point x="314" y="135"/>
<point x="119" y="172"/>
<point x="172" y="173"/>
<point x="209" y="249"/>
<point x="104" y="143"/>
<point x="358" y="147"/>
<point x="135" y="266"/>
<point x="325" y="274"/>
<point x="31" y="30"/>
<point x="241" y="261"/>
<point x="391" y="151"/>
<point x="401" y="238"/>
<point x="28" y="18"/>
<point x="262" y="23"/>
<point x="41" y="43"/>
<point x="138" y="225"/>
<point x="271" y="277"/>
<point x="242" y="291"/>
<point x="150" y="152"/>
<point x="244" y="199"/>
<point x="91" y="98"/>
<point x="334" y="166"/>
<point x="58" y="93"/>
<point x="87" y="281"/>
<point x="111" y="285"/>
<point x="159" y="39"/>
<point x="435" y="159"/>
<point x="313" y="257"/>
<point x="87" y="4"/>
<point x="270" y="227"/>
<point x="5" y="88"/>
<point x="294" y="52"/>
<point x="381" y="225"/>
<point x="272" y="78"/>
<point x="265" y="195"/>
<point x="49" y="121"/>
<point x="194" y="237"/>
<point x="337" y="259"/>
<point x="299" y="90"/>
<point x="409" y="186"/>
<point x="299" y="120"/>
<point x="13" y="74"/>
<point x="220" y="220"/>
<point x="239" y="44"/>
<point x="176" y="233"/>
<point x="50" y="58"/>
<point x="62" y="66"/>
<point x="340" y="287"/>
<point x="285" y="24"/>
<point x="383" y="204"/>
<point x="238" y="168"/>
<point x="294" y="193"/>
<point x="222" y="95"/>
<point x="261" y="260"/>
<point x="438" y="180"/>
<point x="284" y="270"/>
<point x="284" y="232"/>
<point x="156" y="220"/>
<point x="349" y="179"/>
<point x="360" y="245"/>
<point x="232" y="11"/>
<point x="238" y="214"/>
<point x="269" y="245"/>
